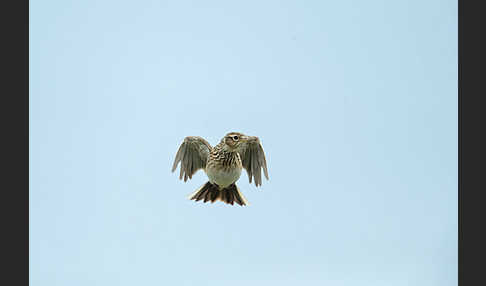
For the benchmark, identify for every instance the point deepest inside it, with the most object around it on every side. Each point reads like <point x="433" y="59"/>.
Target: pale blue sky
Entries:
<point x="355" y="103"/>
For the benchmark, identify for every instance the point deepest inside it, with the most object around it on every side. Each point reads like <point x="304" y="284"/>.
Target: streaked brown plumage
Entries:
<point x="222" y="164"/>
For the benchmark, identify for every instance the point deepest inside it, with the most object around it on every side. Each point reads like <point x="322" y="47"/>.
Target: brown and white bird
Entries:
<point x="223" y="164"/>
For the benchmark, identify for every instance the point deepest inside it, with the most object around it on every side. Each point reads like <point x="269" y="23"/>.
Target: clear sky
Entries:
<point x="355" y="103"/>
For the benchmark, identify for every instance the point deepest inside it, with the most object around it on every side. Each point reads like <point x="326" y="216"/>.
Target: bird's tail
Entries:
<point x="211" y="193"/>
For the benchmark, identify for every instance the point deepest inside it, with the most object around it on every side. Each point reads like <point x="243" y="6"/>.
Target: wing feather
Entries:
<point x="253" y="160"/>
<point x="192" y="155"/>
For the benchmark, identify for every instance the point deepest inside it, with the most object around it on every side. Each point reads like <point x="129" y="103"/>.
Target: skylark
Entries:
<point x="223" y="164"/>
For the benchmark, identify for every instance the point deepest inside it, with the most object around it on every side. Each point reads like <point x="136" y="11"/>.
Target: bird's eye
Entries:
<point x="235" y="138"/>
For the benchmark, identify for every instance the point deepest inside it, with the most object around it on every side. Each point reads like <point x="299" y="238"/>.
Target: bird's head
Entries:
<point x="235" y="139"/>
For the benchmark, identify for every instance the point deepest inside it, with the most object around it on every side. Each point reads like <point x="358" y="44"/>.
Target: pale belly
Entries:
<point x="223" y="178"/>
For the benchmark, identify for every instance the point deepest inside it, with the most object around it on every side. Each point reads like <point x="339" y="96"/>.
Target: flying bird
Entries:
<point x="223" y="164"/>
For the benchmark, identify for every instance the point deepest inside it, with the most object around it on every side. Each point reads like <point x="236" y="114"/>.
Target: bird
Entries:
<point x="222" y="164"/>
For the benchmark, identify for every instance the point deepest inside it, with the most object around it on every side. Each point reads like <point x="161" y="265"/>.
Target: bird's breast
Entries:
<point x="223" y="176"/>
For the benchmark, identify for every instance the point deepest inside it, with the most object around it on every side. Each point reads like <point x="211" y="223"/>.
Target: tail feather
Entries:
<point x="212" y="193"/>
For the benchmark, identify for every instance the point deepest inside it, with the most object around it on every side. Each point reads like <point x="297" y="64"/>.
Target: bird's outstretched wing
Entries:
<point x="253" y="159"/>
<point x="193" y="154"/>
